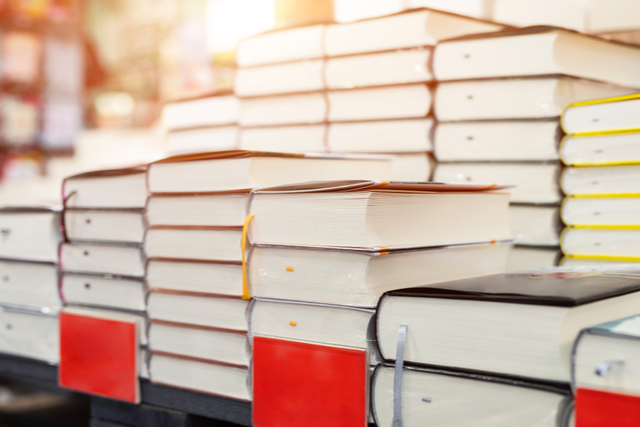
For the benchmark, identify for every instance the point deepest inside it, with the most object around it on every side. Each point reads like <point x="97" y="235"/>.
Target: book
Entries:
<point x="532" y="51"/>
<point x="601" y="150"/>
<point x="285" y="139"/>
<point x="201" y="140"/>
<point x="305" y="108"/>
<point x="355" y="278"/>
<point x="205" y="377"/>
<point x="601" y="212"/>
<point x="615" y="244"/>
<point x="286" y="392"/>
<point x="198" y="309"/>
<point x="30" y="284"/>
<point x="292" y="77"/>
<point x="29" y="333"/>
<point x="103" y="291"/>
<point x="194" y="243"/>
<point x="616" y="114"/>
<point x="122" y="188"/>
<point x="388" y="215"/>
<point x="110" y="225"/>
<point x="194" y="210"/>
<point x="245" y="170"/>
<point x="531" y="258"/>
<point x="601" y="180"/>
<point x="515" y="98"/>
<point x="481" y="9"/>
<point x="383" y="136"/>
<point x="389" y="102"/>
<point x="534" y="182"/>
<point x="30" y="233"/>
<point x="202" y="277"/>
<point x="411" y="167"/>
<point x="287" y="45"/>
<point x="529" y="320"/>
<point x="403" y="30"/>
<point x="101" y="258"/>
<point x="201" y="112"/>
<point x="200" y="343"/>
<point x="594" y="17"/>
<point x="574" y="261"/>
<point x="535" y="225"/>
<point x="446" y="398"/>
<point x="498" y="140"/>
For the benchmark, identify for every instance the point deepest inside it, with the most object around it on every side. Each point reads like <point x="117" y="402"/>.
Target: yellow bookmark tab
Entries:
<point x="245" y="283"/>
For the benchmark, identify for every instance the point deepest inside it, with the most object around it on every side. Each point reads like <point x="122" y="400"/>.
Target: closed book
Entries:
<point x="515" y="98"/>
<point x="615" y="244"/>
<point x="305" y="108"/>
<point x="112" y="225"/>
<point x="535" y="225"/>
<point x="616" y="181"/>
<point x="30" y="233"/>
<point x="194" y="243"/>
<point x="381" y="136"/>
<point x="115" y="259"/>
<point x="194" y="210"/>
<point x="103" y="291"/>
<point x="601" y="150"/>
<point x="29" y="333"/>
<point x="372" y="216"/>
<point x="532" y="51"/>
<point x="498" y="140"/>
<point x="29" y="284"/>
<point x="202" y="277"/>
<point x="354" y="278"/>
<point x="286" y="139"/>
<point x="116" y="188"/>
<point x="446" y="398"/>
<point x="529" y="320"/>
<point x="202" y="140"/>
<point x="245" y="170"/>
<point x="608" y="115"/>
<point x="530" y="258"/>
<point x="199" y="112"/>
<point x="534" y="182"/>
<point x="601" y="212"/>
<point x="292" y="77"/>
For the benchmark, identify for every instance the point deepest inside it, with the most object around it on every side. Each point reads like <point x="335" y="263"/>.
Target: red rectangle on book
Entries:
<point x="99" y="356"/>
<point x="301" y="385"/>
<point x="596" y="408"/>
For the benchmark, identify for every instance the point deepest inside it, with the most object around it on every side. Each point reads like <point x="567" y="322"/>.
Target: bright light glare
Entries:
<point x="114" y="104"/>
<point x="228" y="21"/>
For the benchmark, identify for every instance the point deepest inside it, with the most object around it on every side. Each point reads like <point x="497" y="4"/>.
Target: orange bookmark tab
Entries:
<point x="245" y="283"/>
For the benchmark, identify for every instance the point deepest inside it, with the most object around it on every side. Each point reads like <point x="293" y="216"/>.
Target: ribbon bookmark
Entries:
<point x="397" y="378"/>
<point x="245" y="283"/>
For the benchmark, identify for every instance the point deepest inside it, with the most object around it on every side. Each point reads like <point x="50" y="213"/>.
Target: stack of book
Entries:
<point x="102" y="269"/>
<point x="495" y="350"/>
<point x="360" y="87"/>
<point x="602" y="182"/>
<point x="29" y="297"/>
<point x="323" y="255"/>
<point x="498" y="104"/>
<point x="201" y="124"/>
<point x="195" y="247"/>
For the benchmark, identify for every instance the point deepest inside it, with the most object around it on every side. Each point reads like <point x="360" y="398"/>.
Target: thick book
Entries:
<point x="601" y="150"/>
<point x="200" y="277"/>
<point x="520" y="324"/>
<point x="29" y="333"/>
<point x="221" y="312"/>
<point x="29" y="284"/>
<point x="619" y="114"/>
<point x="202" y="140"/>
<point x="292" y="77"/>
<point x="199" y="343"/>
<point x="533" y="51"/>
<point x="102" y="258"/>
<point x="30" y="233"/>
<point x="515" y="98"/>
<point x="287" y="392"/>
<point x="246" y="170"/>
<point x="194" y="243"/>
<point x="498" y="140"/>
<point x="615" y="181"/>
<point x="421" y="27"/>
<point x="381" y="136"/>
<point x="195" y="210"/>
<point x="355" y="278"/>
<point x="373" y="216"/>
<point x="534" y="182"/>
<point x="445" y="398"/>
<point x="115" y="188"/>
<point x="601" y="212"/>
<point x="535" y="225"/>
<point x="200" y="112"/>
<point x="296" y="109"/>
<point x="302" y="138"/>
<point x="104" y="291"/>
<point x="615" y="244"/>
<point x="531" y="257"/>
<point x="104" y="225"/>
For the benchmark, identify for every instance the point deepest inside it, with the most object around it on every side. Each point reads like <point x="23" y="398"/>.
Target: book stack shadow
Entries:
<point x="29" y="296"/>
<point x="498" y="103"/>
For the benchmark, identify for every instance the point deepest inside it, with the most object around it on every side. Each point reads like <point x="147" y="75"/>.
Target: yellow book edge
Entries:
<point x="595" y="102"/>
<point x="601" y="258"/>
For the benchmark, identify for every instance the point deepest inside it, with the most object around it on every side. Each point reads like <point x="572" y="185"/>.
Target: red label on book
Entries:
<point x="301" y="385"/>
<point x="99" y="356"/>
<point x="595" y="408"/>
